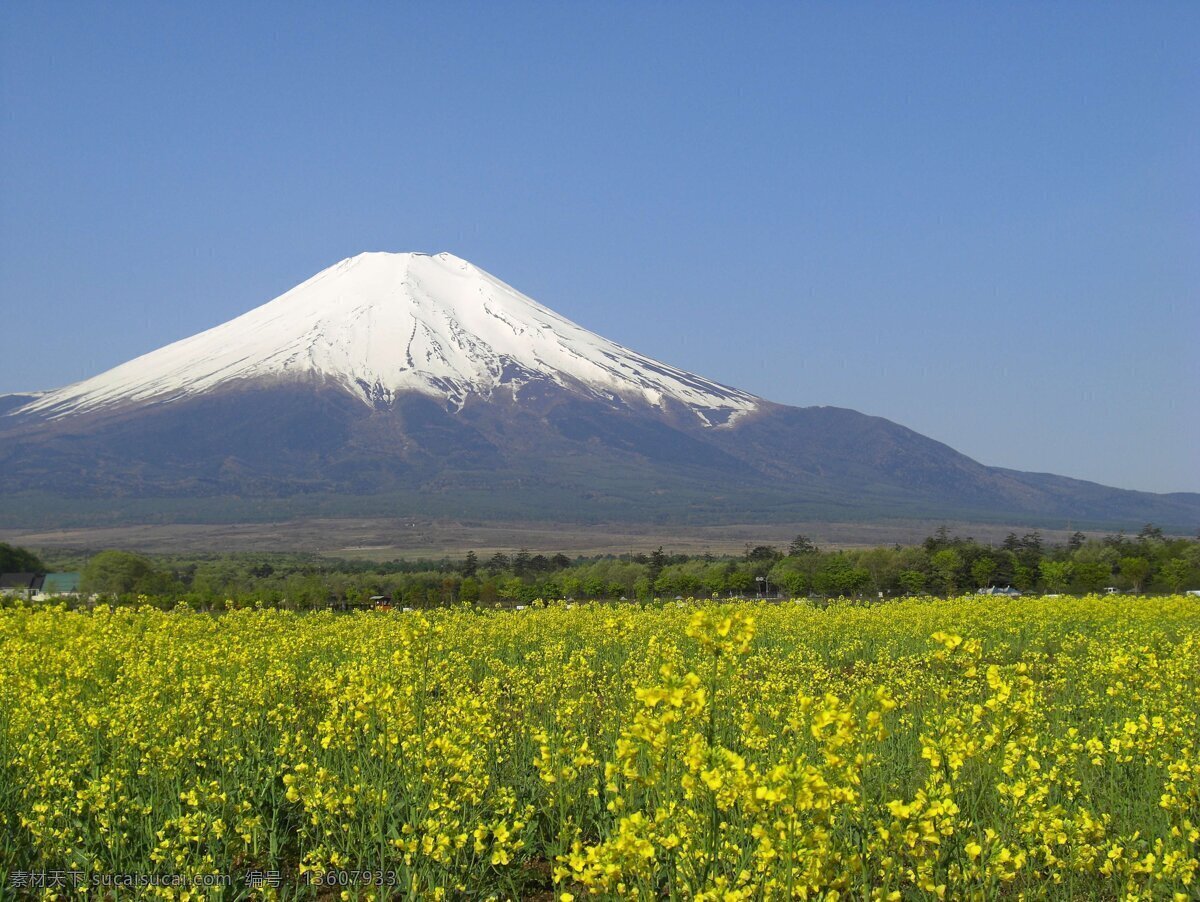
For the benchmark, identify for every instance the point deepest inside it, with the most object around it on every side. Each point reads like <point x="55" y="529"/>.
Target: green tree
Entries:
<point x="912" y="581"/>
<point x="19" y="560"/>
<point x="802" y="545"/>
<point x="839" y="577"/>
<point x="658" y="560"/>
<point x="740" y="581"/>
<point x="470" y="565"/>
<point x="793" y="582"/>
<point x="117" y="572"/>
<point x="946" y="565"/>
<point x="510" y="588"/>
<point x="713" y="581"/>
<point x="1023" y="577"/>
<point x="1175" y="573"/>
<point x="982" y="571"/>
<point x="1092" y="576"/>
<point x="521" y="562"/>
<point x="1056" y="575"/>
<point x="761" y="553"/>
<point x="594" y="587"/>
<point x="941" y="539"/>
<point x="884" y="565"/>
<point x="1135" y="570"/>
<point x="790" y="578"/>
<point x="489" y="594"/>
<point x="1151" y="533"/>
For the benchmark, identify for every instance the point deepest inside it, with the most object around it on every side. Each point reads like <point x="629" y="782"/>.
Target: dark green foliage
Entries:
<point x="802" y="545"/>
<point x="470" y="565"/>
<point x="839" y="576"/>
<point x="120" y="571"/>
<point x="19" y="560"/>
<point x="658" y="560"/>
<point x="763" y="553"/>
<point x="943" y="563"/>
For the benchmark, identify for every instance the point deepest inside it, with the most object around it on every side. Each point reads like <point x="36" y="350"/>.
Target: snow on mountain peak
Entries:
<point x="382" y="323"/>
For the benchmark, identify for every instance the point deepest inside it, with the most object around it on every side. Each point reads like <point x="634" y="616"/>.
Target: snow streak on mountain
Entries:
<point x="379" y="324"/>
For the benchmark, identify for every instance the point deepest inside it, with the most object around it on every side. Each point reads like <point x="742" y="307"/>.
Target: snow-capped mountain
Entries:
<point x="394" y="383"/>
<point x="380" y="324"/>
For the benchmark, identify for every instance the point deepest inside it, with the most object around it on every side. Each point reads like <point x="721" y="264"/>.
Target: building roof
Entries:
<point x="60" y="583"/>
<point x="26" y="582"/>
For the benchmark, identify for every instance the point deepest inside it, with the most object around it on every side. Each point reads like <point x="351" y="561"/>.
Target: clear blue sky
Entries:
<point x="979" y="220"/>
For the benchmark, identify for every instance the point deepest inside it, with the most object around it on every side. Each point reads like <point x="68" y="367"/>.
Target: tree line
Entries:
<point x="943" y="564"/>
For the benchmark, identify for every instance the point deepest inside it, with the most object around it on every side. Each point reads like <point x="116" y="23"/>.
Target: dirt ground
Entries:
<point x="386" y="539"/>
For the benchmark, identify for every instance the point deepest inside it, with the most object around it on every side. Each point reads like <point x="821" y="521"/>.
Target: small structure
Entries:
<point x="1007" y="591"/>
<point x="56" y="585"/>
<point x="342" y="604"/>
<point x="24" y="585"/>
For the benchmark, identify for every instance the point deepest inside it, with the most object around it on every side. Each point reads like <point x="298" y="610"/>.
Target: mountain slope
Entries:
<point x="381" y="324"/>
<point x="405" y="382"/>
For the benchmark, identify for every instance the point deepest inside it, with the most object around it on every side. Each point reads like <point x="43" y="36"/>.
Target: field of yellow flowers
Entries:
<point x="975" y="748"/>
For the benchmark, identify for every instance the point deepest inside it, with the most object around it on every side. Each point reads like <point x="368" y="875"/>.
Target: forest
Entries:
<point x="943" y="564"/>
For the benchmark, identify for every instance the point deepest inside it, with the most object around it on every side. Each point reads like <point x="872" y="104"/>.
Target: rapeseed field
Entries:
<point x="972" y="748"/>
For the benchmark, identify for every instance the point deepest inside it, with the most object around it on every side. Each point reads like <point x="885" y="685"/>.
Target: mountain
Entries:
<point x="380" y="325"/>
<point x="415" y="383"/>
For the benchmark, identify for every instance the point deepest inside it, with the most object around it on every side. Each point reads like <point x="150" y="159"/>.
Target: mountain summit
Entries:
<point x="415" y="384"/>
<point x="381" y="324"/>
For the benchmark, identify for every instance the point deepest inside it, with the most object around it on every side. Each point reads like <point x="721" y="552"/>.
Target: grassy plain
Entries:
<point x="966" y="748"/>
<point x="382" y="539"/>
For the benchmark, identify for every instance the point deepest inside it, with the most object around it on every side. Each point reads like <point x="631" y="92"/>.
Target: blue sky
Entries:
<point x="980" y="221"/>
